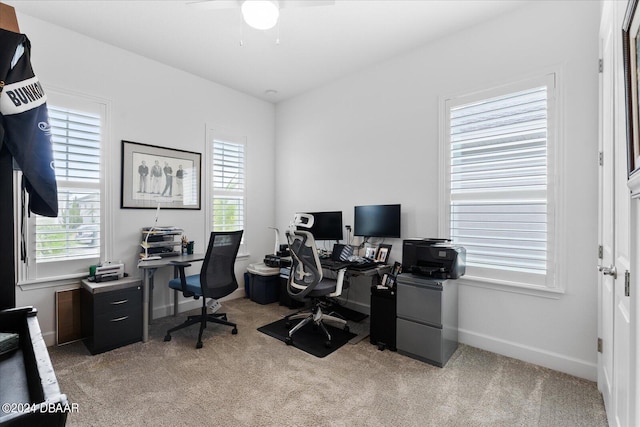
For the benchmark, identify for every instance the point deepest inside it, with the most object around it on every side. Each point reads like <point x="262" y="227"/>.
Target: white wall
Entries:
<point x="372" y="138"/>
<point x="153" y="104"/>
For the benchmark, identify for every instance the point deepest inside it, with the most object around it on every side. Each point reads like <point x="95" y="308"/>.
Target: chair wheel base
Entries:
<point x="199" y="344"/>
<point x="167" y="337"/>
<point x="234" y="331"/>
<point x="288" y="341"/>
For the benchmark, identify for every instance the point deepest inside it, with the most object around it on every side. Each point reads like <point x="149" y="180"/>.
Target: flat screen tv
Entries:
<point x="326" y="225"/>
<point x="377" y="221"/>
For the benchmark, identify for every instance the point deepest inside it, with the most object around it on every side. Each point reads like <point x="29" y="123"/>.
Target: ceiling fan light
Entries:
<point x="260" y="14"/>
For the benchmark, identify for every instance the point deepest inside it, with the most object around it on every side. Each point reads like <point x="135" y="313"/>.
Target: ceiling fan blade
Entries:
<point x="233" y="4"/>
<point x="214" y="4"/>
<point x="305" y="3"/>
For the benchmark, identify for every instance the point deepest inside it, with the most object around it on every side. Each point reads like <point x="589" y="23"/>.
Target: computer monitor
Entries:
<point x="377" y="221"/>
<point x="326" y="225"/>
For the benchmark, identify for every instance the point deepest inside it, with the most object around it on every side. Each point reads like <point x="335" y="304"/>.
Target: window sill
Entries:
<point x="513" y="287"/>
<point x="51" y="282"/>
<point x="70" y="279"/>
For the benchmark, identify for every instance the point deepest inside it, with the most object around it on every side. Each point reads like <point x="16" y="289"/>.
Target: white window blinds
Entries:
<point x="75" y="233"/>
<point x="228" y="186"/>
<point x="500" y="209"/>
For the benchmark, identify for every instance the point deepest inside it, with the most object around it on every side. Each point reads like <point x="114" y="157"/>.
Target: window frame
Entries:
<point x="67" y="271"/>
<point x="214" y="134"/>
<point x="553" y="285"/>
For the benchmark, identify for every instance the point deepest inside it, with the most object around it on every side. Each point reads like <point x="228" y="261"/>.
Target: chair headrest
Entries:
<point x="303" y="220"/>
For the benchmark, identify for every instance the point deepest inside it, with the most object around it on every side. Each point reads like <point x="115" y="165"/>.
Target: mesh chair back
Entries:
<point x="306" y="270"/>
<point x="217" y="276"/>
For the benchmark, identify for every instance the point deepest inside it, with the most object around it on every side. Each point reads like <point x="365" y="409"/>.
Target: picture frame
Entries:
<point x="153" y="176"/>
<point x="383" y="253"/>
<point x="631" y="58"/>
<point x="396" y="269"/>
<point x="370" y="252"/>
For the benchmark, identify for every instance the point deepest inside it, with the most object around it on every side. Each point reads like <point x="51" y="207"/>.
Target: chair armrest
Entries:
<point x="180" y="263"/>
<point x="339" y="281"/>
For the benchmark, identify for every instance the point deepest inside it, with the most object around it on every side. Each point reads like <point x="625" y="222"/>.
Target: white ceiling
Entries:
<point x="316" y="44"/>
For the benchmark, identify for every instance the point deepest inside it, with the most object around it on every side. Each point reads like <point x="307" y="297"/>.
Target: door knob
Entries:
<point x="608" y="271"/>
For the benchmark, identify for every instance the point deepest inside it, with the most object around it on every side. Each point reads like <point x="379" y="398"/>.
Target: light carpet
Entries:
<point x="251" y="379"/>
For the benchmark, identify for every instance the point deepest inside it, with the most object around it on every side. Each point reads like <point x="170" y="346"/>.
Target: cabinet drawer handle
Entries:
<point x="120" y="319"/>
<point x="119" y="302"/>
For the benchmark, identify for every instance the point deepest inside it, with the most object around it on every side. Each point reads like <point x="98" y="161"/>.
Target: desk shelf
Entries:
<point x="161" y="241"/>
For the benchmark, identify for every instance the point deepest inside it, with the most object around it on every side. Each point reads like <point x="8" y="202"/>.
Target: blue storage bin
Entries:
<point x="263" y="283"/>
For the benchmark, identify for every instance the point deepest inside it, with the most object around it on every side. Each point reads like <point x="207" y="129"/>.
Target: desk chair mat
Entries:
<point x="349" y="314"/>
<point x="308" y="339"/>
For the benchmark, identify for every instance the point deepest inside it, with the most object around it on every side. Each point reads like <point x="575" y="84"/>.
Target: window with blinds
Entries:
<point x="500" y="204"/>
<point x="228" y="186"/>
<point x="75" y="233"/>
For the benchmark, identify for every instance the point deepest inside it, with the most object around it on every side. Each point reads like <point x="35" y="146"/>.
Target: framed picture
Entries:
<point x="631" y="52"/>
<point x="370" y="252"/>
<point x="156" y="176"/>
<point x="383" y="253"/>
<point x="396" y="269"/>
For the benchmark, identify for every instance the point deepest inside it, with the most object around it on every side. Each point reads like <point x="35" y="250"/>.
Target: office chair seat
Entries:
<point x="193" y="285"/>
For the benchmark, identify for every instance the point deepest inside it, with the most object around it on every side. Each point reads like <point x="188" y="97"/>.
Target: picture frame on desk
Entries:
<point x="153" y="176"/>
<point x="383" y="253"/>
<point x="370" y="252"/>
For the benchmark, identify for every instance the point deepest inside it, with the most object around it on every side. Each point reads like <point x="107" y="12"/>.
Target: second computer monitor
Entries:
<point x="377" y="221"/>
<point x="327" y="225"/>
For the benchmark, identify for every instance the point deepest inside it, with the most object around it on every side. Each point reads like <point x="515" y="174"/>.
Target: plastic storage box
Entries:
<point x="264" y="283"/>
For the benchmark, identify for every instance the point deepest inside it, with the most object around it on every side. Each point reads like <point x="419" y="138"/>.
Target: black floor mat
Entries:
<point x="308" y="338"/>
<point x="348" y="314"/>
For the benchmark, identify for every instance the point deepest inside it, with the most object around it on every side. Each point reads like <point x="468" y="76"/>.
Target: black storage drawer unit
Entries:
<point x="111" y="314"/>
<point x="382" y="329"/>
<point x="427" y="323"/>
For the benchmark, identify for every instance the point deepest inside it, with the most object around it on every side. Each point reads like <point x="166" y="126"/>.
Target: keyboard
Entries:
<point x="332" y="264"/>
<point x="362" y="265"/>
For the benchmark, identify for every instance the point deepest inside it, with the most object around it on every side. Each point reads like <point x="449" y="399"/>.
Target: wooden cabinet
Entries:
<point x="111" y="314"/>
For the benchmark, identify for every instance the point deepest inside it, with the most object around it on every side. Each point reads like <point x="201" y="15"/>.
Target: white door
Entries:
<point x="614" y="326"/>
<point x="606" y="215"/>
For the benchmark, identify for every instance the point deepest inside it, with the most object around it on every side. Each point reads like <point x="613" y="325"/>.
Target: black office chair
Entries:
<point x="217" y="279"/>
<point x="306" y="282"/>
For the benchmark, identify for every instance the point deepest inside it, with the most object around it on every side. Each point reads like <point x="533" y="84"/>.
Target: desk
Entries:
<point x="148" y="269"/>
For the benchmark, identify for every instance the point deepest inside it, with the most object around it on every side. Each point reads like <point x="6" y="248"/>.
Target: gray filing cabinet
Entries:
<point x="111" y="314"/>
<point x="427" y="318"/>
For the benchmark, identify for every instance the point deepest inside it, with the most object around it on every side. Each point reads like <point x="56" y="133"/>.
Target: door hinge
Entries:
<point x="600" y="65"/>
<point x="599" y="345"/>
<point x="600" y="252"/>
<point x="627" y="283"/>
<point x="600" y="158"/>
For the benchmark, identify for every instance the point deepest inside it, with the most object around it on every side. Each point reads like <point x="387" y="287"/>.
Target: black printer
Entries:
<point x="436" y="258"/>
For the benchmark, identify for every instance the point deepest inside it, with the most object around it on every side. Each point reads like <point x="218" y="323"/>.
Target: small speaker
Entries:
<point x="341" y="252"/>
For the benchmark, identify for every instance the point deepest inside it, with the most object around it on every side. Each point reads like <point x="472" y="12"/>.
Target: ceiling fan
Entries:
<point x="259" y="14"/>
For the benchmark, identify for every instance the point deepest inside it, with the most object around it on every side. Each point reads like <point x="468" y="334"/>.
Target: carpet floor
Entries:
<point x="251" y="379"/>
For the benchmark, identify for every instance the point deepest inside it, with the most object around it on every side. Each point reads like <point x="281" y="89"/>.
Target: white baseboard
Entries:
<point x="537" y="356"/>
